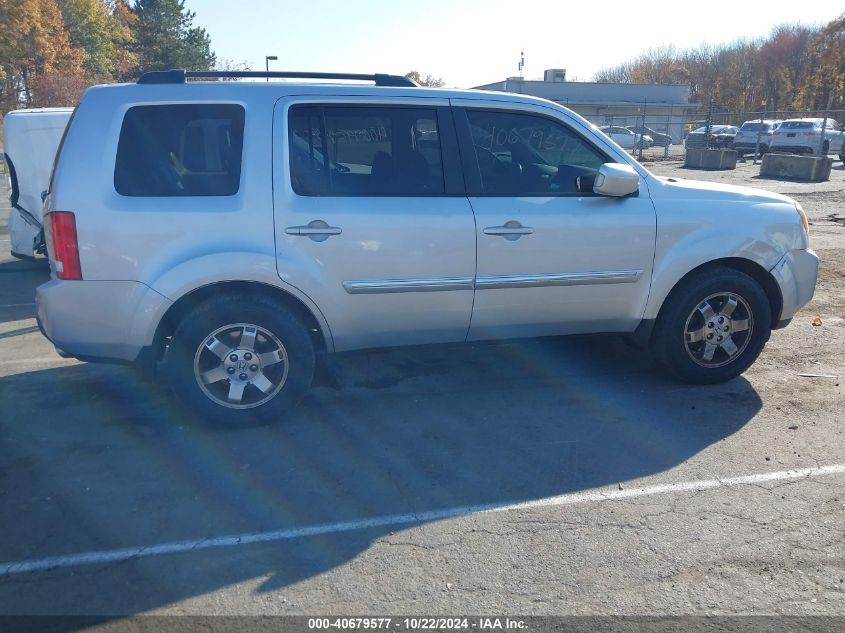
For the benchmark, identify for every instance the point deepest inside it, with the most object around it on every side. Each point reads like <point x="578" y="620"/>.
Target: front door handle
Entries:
<point x="510" y="230"/>
<point x="317" y="230"/>
<point x="313" y="230"/>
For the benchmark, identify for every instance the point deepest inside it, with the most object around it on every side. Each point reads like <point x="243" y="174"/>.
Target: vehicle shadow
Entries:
<point x="18" y="279"/>
<point x="94" y="460"/>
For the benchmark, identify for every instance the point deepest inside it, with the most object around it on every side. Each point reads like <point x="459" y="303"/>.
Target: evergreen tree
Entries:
<point x="164" y="37"/>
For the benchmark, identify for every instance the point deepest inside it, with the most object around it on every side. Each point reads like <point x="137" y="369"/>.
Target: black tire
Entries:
<point x="842" y="157"/>
<point x="825" y="148"/>
<point x="270" y="317"/>
<point x="682" y="313"/>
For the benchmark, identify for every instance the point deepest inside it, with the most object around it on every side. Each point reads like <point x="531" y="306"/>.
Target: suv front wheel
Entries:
<point x="713" y="326"/>
<point x="240" y="360"/>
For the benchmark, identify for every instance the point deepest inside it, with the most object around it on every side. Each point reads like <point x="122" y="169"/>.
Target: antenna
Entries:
<point x="521" y="62"/>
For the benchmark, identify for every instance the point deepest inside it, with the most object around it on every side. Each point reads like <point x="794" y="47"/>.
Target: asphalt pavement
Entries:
<point x="557" y="476"/>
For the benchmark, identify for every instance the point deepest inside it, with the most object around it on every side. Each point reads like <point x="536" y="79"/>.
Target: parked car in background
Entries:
<point x="200" y="228"/>
<point x="719" y="136"/>
<point x="804" y="136"/>
<point x="692" y="125"/>
<point x="626" y="138"/>
<point x="745" y="141"/>
<point x="30" y="140"/>
<point x="658" y="138"/>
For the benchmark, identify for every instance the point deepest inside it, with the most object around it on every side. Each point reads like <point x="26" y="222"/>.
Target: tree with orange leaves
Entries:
<point x="34" y="43"/>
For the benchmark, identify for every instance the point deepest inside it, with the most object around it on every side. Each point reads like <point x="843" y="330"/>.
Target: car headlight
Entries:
<point x="804" y="222"/>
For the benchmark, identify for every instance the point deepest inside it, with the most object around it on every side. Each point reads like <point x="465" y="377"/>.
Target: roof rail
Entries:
<point x="179" y="76"/>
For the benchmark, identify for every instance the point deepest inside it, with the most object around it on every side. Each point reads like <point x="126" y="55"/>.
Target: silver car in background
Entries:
<point x="755" y="136"/>
<point x="625" y="138"/>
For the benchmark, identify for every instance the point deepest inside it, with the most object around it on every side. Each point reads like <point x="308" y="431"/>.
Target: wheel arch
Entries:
<point x="754" y="270"/>
<point x="182" y="306"/>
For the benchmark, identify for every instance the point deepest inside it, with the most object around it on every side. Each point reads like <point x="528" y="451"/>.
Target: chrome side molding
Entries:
<point x="377" y="286"/>
<point x="490" y="282"/>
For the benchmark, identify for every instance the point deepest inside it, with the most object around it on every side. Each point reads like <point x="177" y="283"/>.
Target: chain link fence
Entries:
<point x="652" y="134"/>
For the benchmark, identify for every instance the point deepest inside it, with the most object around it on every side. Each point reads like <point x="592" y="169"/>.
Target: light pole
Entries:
<point x="267" y="60"/>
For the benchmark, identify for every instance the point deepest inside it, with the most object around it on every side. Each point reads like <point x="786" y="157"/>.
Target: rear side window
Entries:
<point x="365" y="151"/>
<point x="180" y="150"/>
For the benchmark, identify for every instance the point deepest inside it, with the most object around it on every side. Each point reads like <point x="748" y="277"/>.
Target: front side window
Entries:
<point x="365" y="151"/>
<point x="525" y="154"/>
<point x="180" y="150"/>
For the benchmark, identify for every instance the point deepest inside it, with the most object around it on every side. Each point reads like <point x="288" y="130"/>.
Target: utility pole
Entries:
<point x="759" y="132"/>
<point x="824" y="124"/>
<point x="642" y="127"/>
<point x="668" y="131"/>
<point x="709" y="124"/>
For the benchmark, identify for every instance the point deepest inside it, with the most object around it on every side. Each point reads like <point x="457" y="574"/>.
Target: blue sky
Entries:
<point x="471" y="42"/>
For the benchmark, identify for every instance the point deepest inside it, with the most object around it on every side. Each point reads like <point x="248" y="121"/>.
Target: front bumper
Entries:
<point x="108" y="320"/>
<point x="796" y="275"/>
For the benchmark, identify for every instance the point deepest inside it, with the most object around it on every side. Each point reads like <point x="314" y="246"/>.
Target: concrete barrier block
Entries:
<point x="792" y="167"/>
<point x="710" y="158"/>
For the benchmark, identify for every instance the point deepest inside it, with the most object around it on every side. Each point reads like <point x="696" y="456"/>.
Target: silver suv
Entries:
<point x="227" y="233"/>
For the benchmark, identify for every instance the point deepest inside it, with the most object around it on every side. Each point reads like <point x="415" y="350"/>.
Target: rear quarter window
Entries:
<point x="180" y="150"/>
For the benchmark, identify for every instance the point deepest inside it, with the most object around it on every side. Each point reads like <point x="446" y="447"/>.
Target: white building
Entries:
<point x="667" y="107"/>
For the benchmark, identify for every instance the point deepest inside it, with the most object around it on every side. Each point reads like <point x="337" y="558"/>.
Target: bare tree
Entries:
<point x="620" y="74"/>
<point x="425" y="80"/>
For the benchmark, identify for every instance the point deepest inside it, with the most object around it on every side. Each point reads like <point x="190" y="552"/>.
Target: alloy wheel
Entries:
<point x="718" y="329"/>
<point x="241" y="366"/>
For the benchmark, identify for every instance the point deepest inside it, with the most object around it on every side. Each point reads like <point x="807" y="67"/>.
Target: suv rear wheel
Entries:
<point x="713" y="326"/>
<point x="240" y="360"/>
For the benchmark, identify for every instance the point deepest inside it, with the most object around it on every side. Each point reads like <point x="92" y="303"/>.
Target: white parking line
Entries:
<point x="116" y="555"/>
<point x="48" y="360"/>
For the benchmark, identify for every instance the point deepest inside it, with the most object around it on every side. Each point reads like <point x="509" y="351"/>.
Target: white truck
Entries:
<point x="30" y="140"/>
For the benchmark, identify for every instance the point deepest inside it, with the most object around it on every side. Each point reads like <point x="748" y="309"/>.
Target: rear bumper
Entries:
<point x="794" y="149"/>
<point x="23" y="234"/>
<point x="750" y="147"/>
<point x="796" y="275"/>
<point x="104" y="320"/>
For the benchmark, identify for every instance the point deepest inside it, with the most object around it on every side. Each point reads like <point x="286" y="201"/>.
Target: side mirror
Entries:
<point x="616" y="179"/>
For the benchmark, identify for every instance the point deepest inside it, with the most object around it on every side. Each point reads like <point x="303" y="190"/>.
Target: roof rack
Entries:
<point x="180" y="76"/>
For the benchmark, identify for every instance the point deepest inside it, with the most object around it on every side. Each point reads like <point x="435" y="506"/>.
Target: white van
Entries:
<point x="30" y="139"/>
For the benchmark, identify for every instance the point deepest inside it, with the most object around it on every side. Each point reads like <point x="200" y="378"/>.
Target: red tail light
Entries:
<point x="65" y="245"/>
<point x="775" y="133"/>
<point x="770" y="133"/>
<point x="712" y="136"/>
<point x="809" y="133"/>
